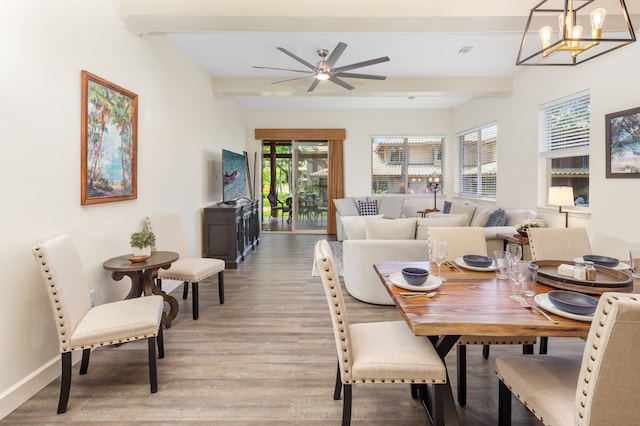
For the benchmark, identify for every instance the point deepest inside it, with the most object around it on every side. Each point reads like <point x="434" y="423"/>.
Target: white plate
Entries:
<point x="460" y="262"/>
<point x="543" y="301"/>
<point x="620" y="266"/>
<point x="432" y="282"/>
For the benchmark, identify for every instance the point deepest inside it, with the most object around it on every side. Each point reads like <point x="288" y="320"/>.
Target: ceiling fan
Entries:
<point x="324" y="70"/>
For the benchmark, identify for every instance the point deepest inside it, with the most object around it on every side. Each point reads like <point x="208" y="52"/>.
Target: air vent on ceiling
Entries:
<point x="464" y="50"/>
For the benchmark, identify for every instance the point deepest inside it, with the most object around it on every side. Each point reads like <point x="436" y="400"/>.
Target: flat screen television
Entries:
<point x="234" y="176"/>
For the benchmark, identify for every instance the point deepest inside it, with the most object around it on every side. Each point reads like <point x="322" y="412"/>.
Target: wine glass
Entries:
<point x="439" y="253"/>
<point x="514" y="251"/>
<point x="517" y="274"/>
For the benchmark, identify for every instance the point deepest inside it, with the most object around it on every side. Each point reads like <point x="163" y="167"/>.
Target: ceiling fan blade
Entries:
<point x="313" y="85"/>
<point x="352" y="75"/>
<point x="335" y="54"/>
<point x="289" y="79"/>
<point x="362" y="64"/>
<point x="297" y="58"/>
<point x="281" y="69"/>
<point x="339" y="82"/>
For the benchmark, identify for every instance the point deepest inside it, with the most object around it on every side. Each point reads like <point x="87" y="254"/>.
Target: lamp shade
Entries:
<point x="560" y="196"/>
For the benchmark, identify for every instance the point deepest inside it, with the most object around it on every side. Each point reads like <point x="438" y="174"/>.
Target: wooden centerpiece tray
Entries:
<point x="607" y="279"/>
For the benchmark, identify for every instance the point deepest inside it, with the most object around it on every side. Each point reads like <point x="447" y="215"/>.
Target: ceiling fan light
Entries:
<point x="322" y="75"/>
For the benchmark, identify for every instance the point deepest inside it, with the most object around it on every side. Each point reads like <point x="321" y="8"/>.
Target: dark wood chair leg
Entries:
<point x="84" y="366"/>
<point x="414" y="391"/>
<point x="221" y="287"/>
<point x="527" y="349"/>
<point x="185" y="290"/>
<point x="346" y="406"/>
<point x="504" y="404"/>
<point x="338" y="388"/>
<point x="159" y="283"/>
<point x="160" y="340"/>
<point x="544" y="343"/>
<point x="437" y="408"/>
<point x="485" y="351"/>
<point x="153" y="368"/>
<point x="65" y="382"/>
<point x="462" y="375"/>
<point x="196" y="301"/>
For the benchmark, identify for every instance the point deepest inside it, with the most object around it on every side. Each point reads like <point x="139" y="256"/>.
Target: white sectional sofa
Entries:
<point x="374" y="238"/>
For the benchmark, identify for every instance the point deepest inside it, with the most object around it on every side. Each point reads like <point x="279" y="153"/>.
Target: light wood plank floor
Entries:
<point x="265" y="357"/>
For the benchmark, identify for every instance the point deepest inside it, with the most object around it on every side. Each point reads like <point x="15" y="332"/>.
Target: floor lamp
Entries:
<point x="561" y="196"/>
<point x="434" y="182"/>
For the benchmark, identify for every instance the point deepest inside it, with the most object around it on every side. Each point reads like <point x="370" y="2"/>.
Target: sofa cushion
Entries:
<point x="481" y="216"/>
<point x="441" y="220"/>
<point x="414" y="203"/>
<point x="368" y="208"/>
<point x="390" y="207"/>
<point x="497" y="218"/>
<point x="514" y="217"/>
<point x="391" y="229"/>
<point x="355" y="227"/>
<point x="346" y="206"/>
<point x="467" y="209"/>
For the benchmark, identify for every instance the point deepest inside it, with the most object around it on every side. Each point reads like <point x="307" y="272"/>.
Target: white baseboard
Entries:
<point x="20" y="392"/>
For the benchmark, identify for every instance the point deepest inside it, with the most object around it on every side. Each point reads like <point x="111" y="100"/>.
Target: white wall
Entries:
<point x="182" y="130"/>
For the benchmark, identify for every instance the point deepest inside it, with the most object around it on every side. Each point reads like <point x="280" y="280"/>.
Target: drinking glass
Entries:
<point x="517" y="272"/>
<point x="514" y="251"/>
<point x="528" y="285"/>
<point x="634" y="255"/>
<point x="502" y="264"/>
<point x="439" y="252"/>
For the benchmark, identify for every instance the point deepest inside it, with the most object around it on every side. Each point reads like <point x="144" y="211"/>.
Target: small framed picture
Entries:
<point x="623" y="144"/>
<point x="109" y="141"/>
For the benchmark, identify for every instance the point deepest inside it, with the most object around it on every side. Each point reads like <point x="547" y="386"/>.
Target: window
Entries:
<point x="563" y="134"/>
<point x="477" y="163"/>
<point x="400" y="165"/>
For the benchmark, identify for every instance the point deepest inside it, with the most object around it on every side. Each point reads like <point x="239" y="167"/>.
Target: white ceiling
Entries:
<point x="422" y="40"/>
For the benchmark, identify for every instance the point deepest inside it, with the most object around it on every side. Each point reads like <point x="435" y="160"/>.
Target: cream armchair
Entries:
<point x="599" y="388"/>
<point x="378" y="352"/>
<point x="81" y="327"/>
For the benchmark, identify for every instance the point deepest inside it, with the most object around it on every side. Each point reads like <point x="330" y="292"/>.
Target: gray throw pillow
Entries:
<point x="497" y="218"/>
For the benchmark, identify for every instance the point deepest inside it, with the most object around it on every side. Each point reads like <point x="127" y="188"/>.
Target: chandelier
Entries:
<point x="557" y="32"/>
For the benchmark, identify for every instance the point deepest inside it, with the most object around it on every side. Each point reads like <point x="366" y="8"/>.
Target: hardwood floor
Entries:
<point x="265" y="357"/>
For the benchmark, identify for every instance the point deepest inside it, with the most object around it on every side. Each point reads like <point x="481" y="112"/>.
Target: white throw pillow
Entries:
<point x="468" y="209"/>
<point x="390" y="207"/>
<point x="514" y="217"/>
<point x="481" y="216"/>
<point x="441" y="220"/>
<point x="355" y="227"/>
<point x="391" y="229"/>
<point x="346" y="207"/>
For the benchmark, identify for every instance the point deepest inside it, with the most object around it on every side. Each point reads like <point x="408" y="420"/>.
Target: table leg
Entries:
<point x="167" y="318"/>
<point x="137" y="286"/>
<point x="443" y="345"/>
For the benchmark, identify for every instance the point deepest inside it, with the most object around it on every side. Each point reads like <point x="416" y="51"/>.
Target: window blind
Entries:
<point x="564" y="124"/>
<point x="478" y="163"/>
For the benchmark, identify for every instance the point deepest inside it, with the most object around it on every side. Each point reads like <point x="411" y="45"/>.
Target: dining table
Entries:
<point x="471" y="302"/>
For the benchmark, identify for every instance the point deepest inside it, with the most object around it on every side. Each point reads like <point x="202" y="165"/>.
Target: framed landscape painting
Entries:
<point x="109" y="139"/>
<point x="623" y="144"/>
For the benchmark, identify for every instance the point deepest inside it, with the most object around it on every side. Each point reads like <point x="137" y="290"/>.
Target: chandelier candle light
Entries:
<point x="573" y="44"/>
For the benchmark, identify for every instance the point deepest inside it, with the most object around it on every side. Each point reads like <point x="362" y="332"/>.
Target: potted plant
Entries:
<point x="142" y="241"/>
<point x="523" y="227"/>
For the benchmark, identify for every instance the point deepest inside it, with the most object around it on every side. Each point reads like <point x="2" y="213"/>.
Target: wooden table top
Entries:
<point x="473" y="303"/>
<point x="157" y="260"/>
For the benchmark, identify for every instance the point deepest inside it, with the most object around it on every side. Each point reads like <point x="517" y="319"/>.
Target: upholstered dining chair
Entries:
<point x="558" y="243"/>
<point x="463" y="240"/>
<point x="377" y="352"/>
<point x="170" y="236"/>
<point x="81" y="326"/>
<point x="598" y="388"/>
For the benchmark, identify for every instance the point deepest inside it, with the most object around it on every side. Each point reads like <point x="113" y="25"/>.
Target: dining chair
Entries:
<point x="83" y="327"/>
<point x="558" y="243"/>
<point x="170" y="236"/>
<point x="598" y="388"/>
<point x="461" y="241"/>
<point x="278" y="207"/>
<point x="378" y="352"/>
